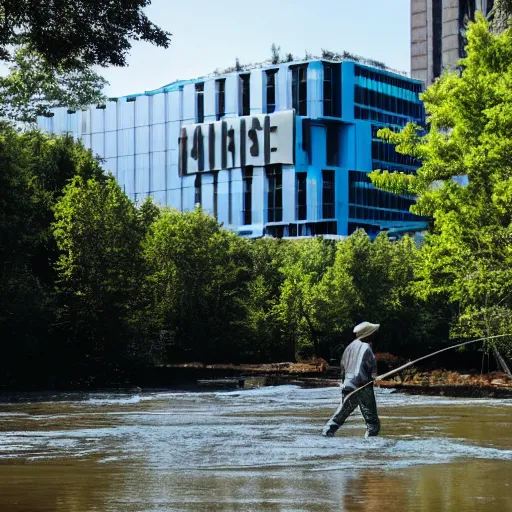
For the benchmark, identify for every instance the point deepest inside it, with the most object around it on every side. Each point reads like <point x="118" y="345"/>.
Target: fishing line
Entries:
<point x="406" y="365"/>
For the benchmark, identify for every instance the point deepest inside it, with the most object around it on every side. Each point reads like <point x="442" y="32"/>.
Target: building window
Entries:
<point x="275" y="193"/>
<point x="200" y="103"/>
<point x="301" y="196"/>
<point x="328" y="194"/>
<point x="300" y="89"/>
<point x="271" y="90"/>
<point x="437" y="36"/>
<point x="215" y="194"/>
<point x="197" y="190"/>
<point x="333" y="144"/>
<point x="220" y="92"/>
<point x="247" y="183"/>
<point x="328" y="91"/>
<point x="245" y="94"/>
<point x="230" y="201"/>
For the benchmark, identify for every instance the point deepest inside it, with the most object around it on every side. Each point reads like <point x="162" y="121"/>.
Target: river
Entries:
<point x="256" y="449"/>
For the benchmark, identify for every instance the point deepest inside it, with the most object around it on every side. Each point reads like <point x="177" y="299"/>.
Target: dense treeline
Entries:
<point x="94" y="285"/>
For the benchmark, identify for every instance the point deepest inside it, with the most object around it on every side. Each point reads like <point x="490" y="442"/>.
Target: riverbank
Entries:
<point x="306" y="374"/>
<point x="318" y="373"/>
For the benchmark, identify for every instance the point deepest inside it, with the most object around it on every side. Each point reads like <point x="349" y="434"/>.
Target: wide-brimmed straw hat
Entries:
<point x="365" y="329"/>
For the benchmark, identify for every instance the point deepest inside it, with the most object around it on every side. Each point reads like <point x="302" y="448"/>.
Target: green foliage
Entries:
<point x="197" y="279"/>
<point x="99" y="236"/>
<point x="33" y="87"/>
<point x="275" y="57"/>
<point x="77" y="33"/>
<point x="303" y="266"/>
<point x="371" y="281"/>
<point x="35" y="168"/>
<point x="467" y="255"/>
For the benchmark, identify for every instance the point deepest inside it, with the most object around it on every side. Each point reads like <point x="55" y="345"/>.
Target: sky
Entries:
<point x="211" y="34"/>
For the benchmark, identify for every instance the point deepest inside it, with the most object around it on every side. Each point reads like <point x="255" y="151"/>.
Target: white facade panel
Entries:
<point x="173" y="157"/>
<point x="110" y="144"/>
<point x="158" y="108"/>
<point x="173" y="132"/>
<point x="126" y="177"/>
<point x="160" y="197"/>
<point x="97" y="120"/>
<point x="174" y="178"/>
<point x="157" y="138"/>
<point x="142" y="111"/>
<point x="110" y="165"/>
<point x="98" y="144"/>
<point x="142" y="139"/>
<point x="174" y="106"/>
<point x="188" y="193"/>
<point x="142" y="184"/>
<point x="207" y="193"/>
<point x="158" y="169"/>
<point x="126" y="142"/>
<point x="174" y="198"/>
<point x="111" y="116"/>
<point x="126" y="114"/>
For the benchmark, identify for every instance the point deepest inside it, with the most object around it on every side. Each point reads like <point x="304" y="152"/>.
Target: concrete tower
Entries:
<point x="437" y="34"/>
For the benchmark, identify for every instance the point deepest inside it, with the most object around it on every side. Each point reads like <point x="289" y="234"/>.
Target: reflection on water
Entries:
<point x="252" y="450"/>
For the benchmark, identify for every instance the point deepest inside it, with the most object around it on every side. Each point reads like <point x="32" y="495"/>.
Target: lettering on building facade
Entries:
<point x="258" y="140"/>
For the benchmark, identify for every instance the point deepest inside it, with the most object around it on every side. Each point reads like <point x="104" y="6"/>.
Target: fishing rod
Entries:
<point x="406" y="365"/>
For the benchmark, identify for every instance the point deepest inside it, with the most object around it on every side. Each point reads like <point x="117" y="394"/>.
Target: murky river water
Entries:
<point x="257" y="449"/>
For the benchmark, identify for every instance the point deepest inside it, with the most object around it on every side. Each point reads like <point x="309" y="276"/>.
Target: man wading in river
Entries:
<point x="358" y="367"/>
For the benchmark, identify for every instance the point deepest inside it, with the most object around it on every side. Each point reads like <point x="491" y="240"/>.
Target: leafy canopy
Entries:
<point x="77" y="33"/>
<point x="468" y="254"/>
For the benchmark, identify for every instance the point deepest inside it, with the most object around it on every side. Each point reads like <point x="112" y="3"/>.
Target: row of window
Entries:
<point x="370" y="98"/>
<point x="365" y="213"/>
<point x="275" y="194"/>
<point x="331" y="88"/>
<point x="307" y="229"/>
<point x="389" y="80"/>
<point x="362" y="193"/>
<point x="385" y="152"/>
<point x="367" y="114"/>
<point x="376" y="165"/>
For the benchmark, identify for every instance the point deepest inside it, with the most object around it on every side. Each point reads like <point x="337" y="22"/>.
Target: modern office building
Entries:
<point x="437" y="34"/>
<point x="282" y="151"/>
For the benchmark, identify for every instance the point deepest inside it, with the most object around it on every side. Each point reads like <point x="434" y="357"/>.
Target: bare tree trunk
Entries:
<point x="502" y="14"/>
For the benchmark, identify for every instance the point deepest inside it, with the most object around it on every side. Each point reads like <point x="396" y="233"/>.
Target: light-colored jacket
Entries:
<point x="358" y="364"/>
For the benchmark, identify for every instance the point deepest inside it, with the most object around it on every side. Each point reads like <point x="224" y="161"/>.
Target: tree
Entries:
<point x="465" y="185"/>
<point x="501" y="14"/>
<point x="197" y="278"/>
<point x="77" y="34"/>
<point x="33" y="87"/>
<point x="371" y="281"/>
<point x="261" y="323"/>
<point x="275" y="52"/>
<point x="35" y="169"/>
<point x="304" y="264"/>
<point x="98" y="232"/>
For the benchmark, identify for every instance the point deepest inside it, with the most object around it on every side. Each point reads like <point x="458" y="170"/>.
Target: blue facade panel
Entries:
<point x="271" y="171"/>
